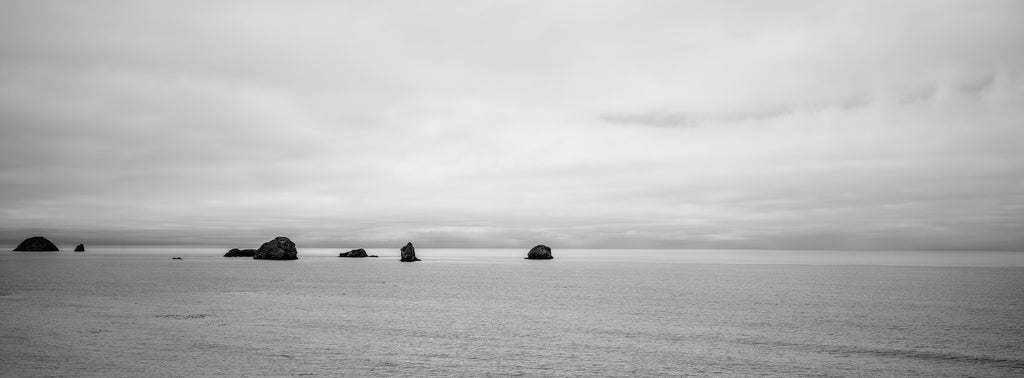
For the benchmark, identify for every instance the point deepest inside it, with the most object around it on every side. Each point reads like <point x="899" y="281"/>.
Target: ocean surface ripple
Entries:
<point x="475" y="313"/>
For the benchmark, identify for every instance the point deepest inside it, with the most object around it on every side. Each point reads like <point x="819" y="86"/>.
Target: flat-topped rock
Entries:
<point x="354" y="253"/>
<point x="80" y="248"/>
<point x="36" y="244"/>
<point x="235" y="252"/>
<point x="281" y="248"/>
<point x="409" y="253"/>
<point x="539" y="252"/>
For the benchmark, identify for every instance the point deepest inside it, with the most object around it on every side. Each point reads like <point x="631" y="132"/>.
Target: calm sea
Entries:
<point x="474" y="313"/>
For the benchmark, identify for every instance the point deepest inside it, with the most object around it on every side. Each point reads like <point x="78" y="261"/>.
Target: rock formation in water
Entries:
<point x="281" y="248"/>
<point x="80" y="248"/>
<point x="235" y="252"/>
<point x="409" y="253"/>
<point x="354" y="253"/>
<point x="36" y="244"/>
<point x="540" y="252"/>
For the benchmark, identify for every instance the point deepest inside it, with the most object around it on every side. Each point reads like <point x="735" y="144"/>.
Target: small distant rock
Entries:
<point x="175" y="258"/>
<point x="540" y="252"/>
<point x="235" y="252"/>
<point x="36" y="244"/>
<point x="281" y="248"/>
<point x="80" y="248"/>
<point x="409" y="253"/>
<point x="354" y="253"/>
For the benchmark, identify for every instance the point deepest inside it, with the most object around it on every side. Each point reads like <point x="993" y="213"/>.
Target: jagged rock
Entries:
<point x="235" y="252"/>
<point x="354" y="253"/>
<point x="281" y="248"/>
<point x="80" y="248"/>
<point x="409" y="253"/>
<point x="539" y="252"/>
<point x="36" y="244"/>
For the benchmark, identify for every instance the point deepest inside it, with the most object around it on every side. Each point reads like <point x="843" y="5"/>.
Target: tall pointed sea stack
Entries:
<point x="80" y="248"/>
<point x="409" y="253"/>
<point x="281" y="248"/>
<point x="36" y="244"/>
<point x="540" y="252"/>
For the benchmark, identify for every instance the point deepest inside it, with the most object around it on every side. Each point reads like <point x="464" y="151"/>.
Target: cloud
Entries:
<point x="677" y="119"/>
<point x="503" y="124"/>
<point x="669" y="118"/>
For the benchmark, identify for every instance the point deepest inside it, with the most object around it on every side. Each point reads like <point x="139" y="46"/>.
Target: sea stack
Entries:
<point x="354" y="253"/>
<point x="80" y="248"/>
<point x="36" y="244"/>
<point x="540" y="252"/>
<point x="409" y="253"/>
<point x="281" y="248"/>
<point x="235" y="252"/>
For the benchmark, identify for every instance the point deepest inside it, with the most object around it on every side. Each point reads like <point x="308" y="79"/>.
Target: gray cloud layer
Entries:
<point x="505" y="124"/>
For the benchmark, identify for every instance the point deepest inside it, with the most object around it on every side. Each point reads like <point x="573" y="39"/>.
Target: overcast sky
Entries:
<point x="588" y="124"/>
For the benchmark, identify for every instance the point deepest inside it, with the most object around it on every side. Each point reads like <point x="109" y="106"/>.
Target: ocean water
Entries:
<point x="476" y="313"/>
